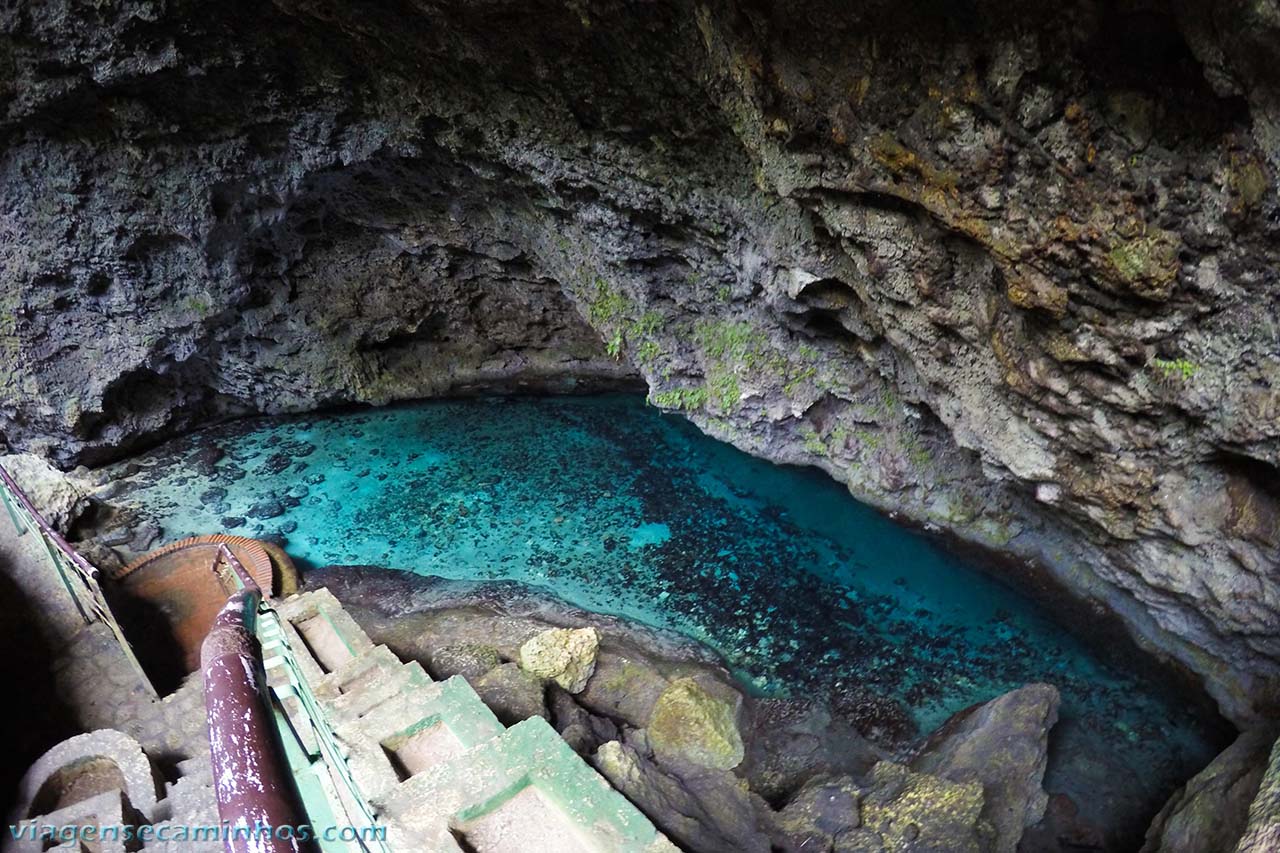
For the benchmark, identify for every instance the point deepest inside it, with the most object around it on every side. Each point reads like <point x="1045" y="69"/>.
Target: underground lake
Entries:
<point x="614" y="507"/>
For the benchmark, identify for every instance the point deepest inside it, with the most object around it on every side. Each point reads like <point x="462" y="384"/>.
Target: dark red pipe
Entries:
<point x="252" y="784"/>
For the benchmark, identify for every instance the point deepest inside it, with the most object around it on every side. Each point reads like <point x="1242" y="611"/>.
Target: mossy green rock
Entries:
<point x="917" y="812"/>
<point x="691" y="725"/>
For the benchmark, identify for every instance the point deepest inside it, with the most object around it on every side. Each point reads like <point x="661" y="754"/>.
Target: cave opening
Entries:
<point x="586" y="357"/>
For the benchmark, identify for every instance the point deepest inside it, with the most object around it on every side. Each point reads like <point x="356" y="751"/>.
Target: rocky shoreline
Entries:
<point x="714" y="766"/>
<point x="807" y="761"/>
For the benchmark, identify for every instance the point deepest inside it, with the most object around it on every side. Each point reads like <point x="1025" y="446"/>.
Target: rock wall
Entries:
<point x="1008" y="270"/>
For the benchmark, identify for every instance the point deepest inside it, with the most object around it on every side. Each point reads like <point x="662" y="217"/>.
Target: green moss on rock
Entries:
<point x="1147" y="265"/>
<point x="690" y="725"/>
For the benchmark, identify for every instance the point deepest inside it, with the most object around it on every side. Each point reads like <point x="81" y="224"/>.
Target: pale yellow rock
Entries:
<point x="567" y="656"/>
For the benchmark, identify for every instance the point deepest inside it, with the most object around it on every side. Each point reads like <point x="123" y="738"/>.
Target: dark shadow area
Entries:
<point x="150" y="632"/>
<point x="36" y="717"/>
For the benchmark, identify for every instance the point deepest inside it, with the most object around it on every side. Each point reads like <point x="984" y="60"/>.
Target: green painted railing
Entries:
<point x="79" y="577"/>
<point x="322" y="776"/>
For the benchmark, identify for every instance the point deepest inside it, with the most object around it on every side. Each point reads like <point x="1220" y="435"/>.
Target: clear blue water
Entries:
<point x="616" y="508"/>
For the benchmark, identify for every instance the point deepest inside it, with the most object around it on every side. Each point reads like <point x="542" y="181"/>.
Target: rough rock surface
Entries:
<point x="1002" y="745"/>
<point x="793" y="740"/>
<point x="696" y="723"/>
<point x="567" y="656"/>
<point x="59" y="496"/>
<point x="1010" y="272"/>
<point x="1262" y="832"/>
<point x="708" y="810"/>
<point x="512" y="693"/>
<point x="1212" y="810"/>
<point x="908" y="811"/>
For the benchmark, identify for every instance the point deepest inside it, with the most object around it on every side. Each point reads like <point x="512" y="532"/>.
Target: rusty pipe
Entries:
<point x="251" y="783"/>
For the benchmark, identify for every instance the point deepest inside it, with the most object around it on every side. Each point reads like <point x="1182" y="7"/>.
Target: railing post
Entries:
<point x="253" y="788"/>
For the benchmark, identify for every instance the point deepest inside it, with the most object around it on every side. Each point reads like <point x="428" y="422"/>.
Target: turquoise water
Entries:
<point x="617" y="508"/>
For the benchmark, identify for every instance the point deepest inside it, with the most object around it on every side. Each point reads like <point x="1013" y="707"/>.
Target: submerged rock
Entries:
<point x="1003" y="746"/>
<point x="1211" y="811"/>
<point x="696" y="724"/>
<point x="567" y="656"/>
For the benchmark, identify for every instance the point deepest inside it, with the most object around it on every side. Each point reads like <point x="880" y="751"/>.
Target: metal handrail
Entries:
<point x="330" y="753"/>
<point x="87" y="595"/>
<point x="86" y="568"/>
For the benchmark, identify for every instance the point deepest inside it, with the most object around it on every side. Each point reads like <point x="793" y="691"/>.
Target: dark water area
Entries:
<point x="616" y="508"/>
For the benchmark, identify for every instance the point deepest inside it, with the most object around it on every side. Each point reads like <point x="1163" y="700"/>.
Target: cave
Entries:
<point x="824" y="426"/>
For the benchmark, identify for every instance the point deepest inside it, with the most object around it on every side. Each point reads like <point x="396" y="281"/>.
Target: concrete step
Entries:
<point x="370" y="680"/>
<point x="316" y="623"/>
<point x="523" y="792"/>
<point x="431" y="758"/>
<point x="415" y="730"/>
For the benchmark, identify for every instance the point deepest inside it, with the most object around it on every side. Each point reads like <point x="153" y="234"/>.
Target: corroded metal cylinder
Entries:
<point x="252" y="785"/>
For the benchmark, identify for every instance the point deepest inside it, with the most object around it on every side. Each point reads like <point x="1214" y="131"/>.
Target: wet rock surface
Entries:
<point x="1014" y="278"/>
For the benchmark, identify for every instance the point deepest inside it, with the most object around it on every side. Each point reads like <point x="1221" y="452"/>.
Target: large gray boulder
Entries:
<point x="1210" y="812"/>
<point x="1003" y="746"/>
<point x="702" y="810"/>
<point x="1262" y="833"/>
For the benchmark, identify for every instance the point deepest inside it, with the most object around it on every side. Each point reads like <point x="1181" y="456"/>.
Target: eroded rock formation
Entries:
<point x="1006" y="269"/>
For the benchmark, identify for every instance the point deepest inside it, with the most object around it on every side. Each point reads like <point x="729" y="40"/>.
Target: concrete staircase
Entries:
<point x="438" y="769"/>
<point x="373" y="743"/>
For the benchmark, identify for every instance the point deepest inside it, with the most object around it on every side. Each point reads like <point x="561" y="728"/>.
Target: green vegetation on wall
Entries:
<point x="1174" y="368"/>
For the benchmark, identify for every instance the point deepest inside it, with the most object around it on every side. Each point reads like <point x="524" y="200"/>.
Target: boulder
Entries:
<point x="902" y="810"/>
<point x="566" y="656"/>
<point x="696" y="723"/>
<point x="1001" y="745"/>
<point x="60" y="497"/>
<point x="1211" y="811"/>
<point x="1262" y="833"/>
<point x="705" y="810"/>
<point x="625" y="686"/>
<point x="512" y="694"/>
<point x="789" y="741"/>
<point x="824" y="810"/>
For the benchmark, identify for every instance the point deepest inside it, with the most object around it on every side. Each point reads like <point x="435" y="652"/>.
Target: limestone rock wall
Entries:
<point x="1009" y="270"/>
